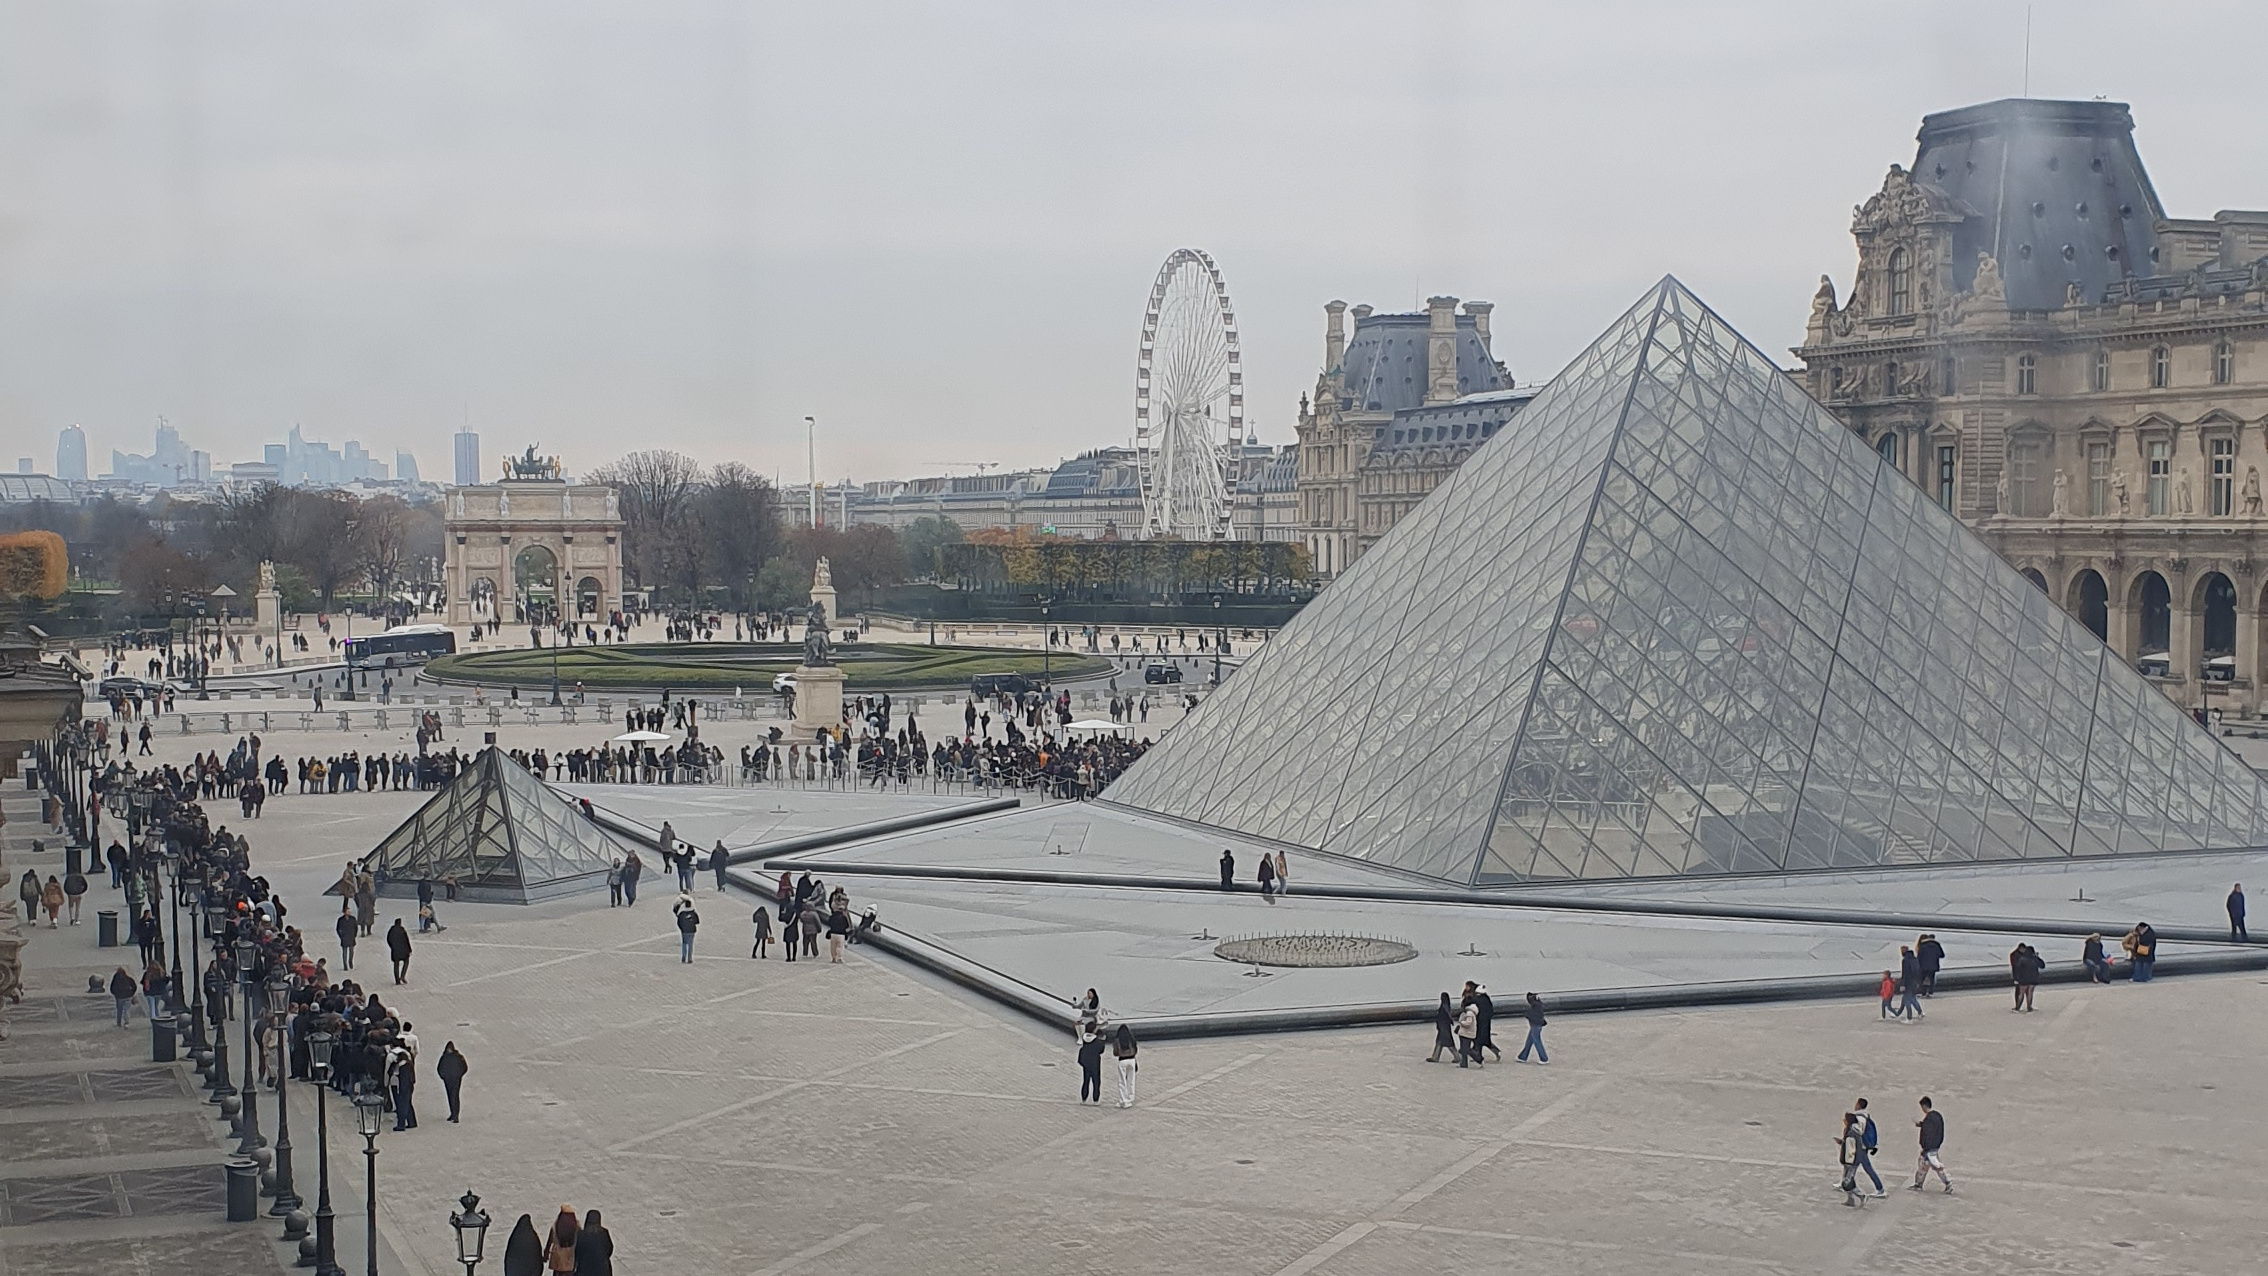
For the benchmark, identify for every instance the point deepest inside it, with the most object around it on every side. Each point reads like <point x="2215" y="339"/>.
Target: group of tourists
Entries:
<point x="1094" y="1035"/>
<point x="1468" y="1028"/>
<point x="1859" y="1139"/>
<point x="583" y="1247"/>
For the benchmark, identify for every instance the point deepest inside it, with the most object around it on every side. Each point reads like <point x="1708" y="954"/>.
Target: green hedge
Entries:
<point x="750" y="666"/>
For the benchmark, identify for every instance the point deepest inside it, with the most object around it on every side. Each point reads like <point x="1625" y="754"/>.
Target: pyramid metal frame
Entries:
<point x="1676" y="620"/>
<point x="507" y="836"/>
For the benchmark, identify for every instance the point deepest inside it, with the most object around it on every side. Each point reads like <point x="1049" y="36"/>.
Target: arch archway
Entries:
<point x="2152" y="602"/>
<point x="588" y="595"/>
<point x="2089" y="600"/>
<point x="535" y="583"/>
<point x="2216" y="629"/>
<point x="2033" y="575"/>
<point x="482" y="596"/>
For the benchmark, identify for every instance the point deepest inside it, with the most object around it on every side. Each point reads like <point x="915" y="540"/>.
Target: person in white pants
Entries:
<point x="1122" y="1048"/>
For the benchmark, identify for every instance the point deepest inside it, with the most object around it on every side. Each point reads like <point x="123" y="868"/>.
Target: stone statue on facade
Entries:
<point x="2074" y="294"/>
<point x="503" y="503"/>
<point x="821" y="575"/>
<point x="1987" y="286"/>
<point x="613" y="503"/>
<point x="2000" y="494"/>
<point x="2252" y="490"/>
<point x="2181" y="494"/>
<point x="1823" y="301"/>
<point x="2062" y="498"/>
<point x="2118" y="490"/>
<point x="816" y="653"/>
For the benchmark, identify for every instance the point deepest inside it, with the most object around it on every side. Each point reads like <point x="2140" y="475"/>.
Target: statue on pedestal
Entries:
<point x="267" y="577"/>
<point x="822" y="577"/>
<point x="816" y="653"/>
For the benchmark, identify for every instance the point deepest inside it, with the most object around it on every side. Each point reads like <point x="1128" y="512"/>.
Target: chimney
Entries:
<point x="1440" y="349"/>
<point x="1334" y="334"/>
<point x="1479" y="310"/>
<point x="1361" y="313"/>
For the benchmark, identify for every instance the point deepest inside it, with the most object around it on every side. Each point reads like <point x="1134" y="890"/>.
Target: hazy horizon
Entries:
<point x="601" y="227"/>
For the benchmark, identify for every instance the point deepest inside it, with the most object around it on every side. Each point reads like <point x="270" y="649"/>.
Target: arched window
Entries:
<point x="1901" y="284"/>
<point x="2099" y="378"/>
<point x="2224" y="363"/>
<point x="1887" y="446"/>
<point x="2161" y="368"/>
<point x="1890" y="379"/>
<point x="2027" y="374"/>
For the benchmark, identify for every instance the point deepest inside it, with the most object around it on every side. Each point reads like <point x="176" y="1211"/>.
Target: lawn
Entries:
<point x="750" y="666"/>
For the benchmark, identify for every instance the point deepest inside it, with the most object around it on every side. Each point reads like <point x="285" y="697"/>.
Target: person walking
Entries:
<point x="1909" y="980"/>
<point x="155" y="984"/>
<point x="451" y="1068"/>
<point x="1468" y="1023"/>
<point x="2237" y="933"/>
<point x="1484" y="1023"/>
<point x="1267" y="878"/>
<point x="1091" y="1047"/>
<point x="720" y="859"/>
<point x="1849" y="1147"/>
<point x="366" y="902"/>
<point x="1889" y="991"/>
<point x="1533" y="1013"/>
<point x="1228" y="869"/>
<point x="632" y="869"/>
<point x="122" y="989"/>
<point x="559" y="1247"/>
<point x="838" y="926"/>
<point x="688" y="921"/>
<point x="51" y="899"/>
<point x="1123" y="1049"/>
<point x="763" y="921"/>
<point x="2091" y="956"/>
<point x="348" y="929"/>
<point x="398" y="947"/>
<point x="594" y="1247"/>
<point x="1932" y="1127"/>
<point x="523" y="1252"/>
<point x="1283" y="874"/>
<point x="74" y="886"/>
<point x="1869" y="1141"/>
<point x="614" y="883"/>
<point x="1931" y="956"/>
<point x="1444" y="1029"/>
<point x="426" y="921"/>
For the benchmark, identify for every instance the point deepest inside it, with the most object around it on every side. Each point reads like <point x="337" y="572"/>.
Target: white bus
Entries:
<point x="401" y="647"/>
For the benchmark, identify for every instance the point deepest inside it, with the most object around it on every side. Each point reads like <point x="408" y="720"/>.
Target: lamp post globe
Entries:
<point x="471" y="1222"/>
<point x="326" y="1223"/>
<point x="279" y="995"/>
<point x="250" y="1138"/>
<point x="370" y="1117"/>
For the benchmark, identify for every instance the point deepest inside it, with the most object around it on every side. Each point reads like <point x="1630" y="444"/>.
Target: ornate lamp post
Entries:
<point x="1047" y="646"/>
<point x="279" y="993"/>
<point x="250" y="1137"/>
<point x="319" y="1071"/>
<point x="370" y="1117"/>
<point x="174" y="1005"/>
<point x="471" y="1222"/>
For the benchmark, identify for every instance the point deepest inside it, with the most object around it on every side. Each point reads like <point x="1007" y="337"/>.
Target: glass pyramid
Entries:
<point x="1676" y="620"/>
<point x="504" y="834"/>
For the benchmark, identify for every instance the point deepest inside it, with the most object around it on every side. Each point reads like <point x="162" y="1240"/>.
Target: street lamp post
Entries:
<point x="471" y="1222"/>
<point x="1047" y="646"/>
<point x="250" y="1139"/>
<point x="1218" y="634"/>
<point x="287" y="1199"/>
<point x="326" y="1224"/>
<point x="173" y="1004"/>
<point x="223" y="1085"/>
<point x="370" y="1115"/>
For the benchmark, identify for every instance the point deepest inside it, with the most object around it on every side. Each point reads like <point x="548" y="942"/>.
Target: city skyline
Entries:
<point x="711" y="261"/>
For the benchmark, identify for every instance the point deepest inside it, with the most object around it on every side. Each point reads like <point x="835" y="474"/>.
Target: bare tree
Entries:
<point x="657" y="489"/>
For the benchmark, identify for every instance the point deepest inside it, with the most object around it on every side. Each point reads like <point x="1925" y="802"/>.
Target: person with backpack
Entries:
<point x="1869" y="1141"/>
<point x="1932" y="1127"/>
<point x="1849" y="1149"/>
<point x="688" y="921"/>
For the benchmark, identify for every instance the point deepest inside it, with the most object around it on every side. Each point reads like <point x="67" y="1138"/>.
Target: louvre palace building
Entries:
<point x="2077" y="375"/>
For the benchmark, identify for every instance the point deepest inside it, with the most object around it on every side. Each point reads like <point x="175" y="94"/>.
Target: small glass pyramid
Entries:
<point x="1675" y="619"/>
<point x="503" y="833"/>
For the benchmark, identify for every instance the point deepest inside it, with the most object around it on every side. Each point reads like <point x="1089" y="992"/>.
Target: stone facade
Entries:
<point x="517" y="546"/>
<point x="2080" y="377"/>
<point x="1394" y="364"/>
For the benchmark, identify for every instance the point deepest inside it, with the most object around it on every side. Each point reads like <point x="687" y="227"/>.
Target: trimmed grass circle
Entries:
<point x="722" y="666"/>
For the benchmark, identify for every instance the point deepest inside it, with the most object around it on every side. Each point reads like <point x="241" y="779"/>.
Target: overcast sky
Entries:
<point x="607" y="226"/>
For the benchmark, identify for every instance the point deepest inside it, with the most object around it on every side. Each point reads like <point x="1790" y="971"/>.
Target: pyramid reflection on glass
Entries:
<point x="1676" y="620"/>
<point x="505" y="835"/>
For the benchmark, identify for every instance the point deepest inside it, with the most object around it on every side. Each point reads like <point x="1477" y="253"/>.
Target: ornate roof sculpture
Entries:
<point x="1675" y="620"/>
<point x="505" y="835"/>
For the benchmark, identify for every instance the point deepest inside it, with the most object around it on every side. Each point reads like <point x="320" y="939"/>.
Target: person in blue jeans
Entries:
<point x="1869" y="1140"/>
<point x="1533" y="1012"/>
<point x="688" y="921"/>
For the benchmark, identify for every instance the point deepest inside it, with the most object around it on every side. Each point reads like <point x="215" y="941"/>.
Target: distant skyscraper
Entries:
<point x="71" y="455"/>
<point x="405" y="466"/>
<point x="468" y="458"/>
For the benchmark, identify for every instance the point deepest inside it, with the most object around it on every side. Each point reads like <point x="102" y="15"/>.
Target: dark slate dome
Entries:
<point x="2057" y="192"/>
<point x="1385" y="365"/>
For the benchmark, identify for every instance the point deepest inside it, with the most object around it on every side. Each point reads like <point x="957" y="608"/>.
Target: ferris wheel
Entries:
<point x="1188" y="401"/>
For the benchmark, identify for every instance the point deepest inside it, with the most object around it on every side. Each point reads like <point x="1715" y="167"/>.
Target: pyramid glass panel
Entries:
<point x="502" y="833"/>
<point x="1675" y="619"/>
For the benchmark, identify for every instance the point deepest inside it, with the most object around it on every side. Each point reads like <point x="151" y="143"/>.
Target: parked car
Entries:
<point x="993" y="684"/>
<point x="1161" y="672"/>
<point x="783" y="682"/>
<point x="123" y="685"/>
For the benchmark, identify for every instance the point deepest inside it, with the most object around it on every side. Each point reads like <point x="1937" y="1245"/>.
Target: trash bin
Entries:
<point x="71" y="863"/>
<point x="106" y="928"/>
<point x="243" y="1188"/>
<point x="162" y="1039"/>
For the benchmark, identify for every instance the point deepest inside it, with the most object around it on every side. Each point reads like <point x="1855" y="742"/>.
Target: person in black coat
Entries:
<point x="1228" y="869"/>
<point x="1444" y="1029"/>
<point x="1931" y="955"/>
<point x="1091" y="1045"/>
<point x="523" y="1253"/>
<point x="348" y="930"/>
<point x="594" y="1248"/>
<point x="1486" y="1006"/>
<point x="451" y="1069"/>
<point x="398" y="946"/>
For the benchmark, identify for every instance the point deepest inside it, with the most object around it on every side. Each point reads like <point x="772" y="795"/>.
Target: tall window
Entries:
<point x="2161" y="476"/>
<point x="2224" y="363"/>
<point x="2224" y="476"/>
<point x="1945" y="475"/>
<point x="2098" y="479"/>
<point x="1890" y="379"/>
<point x="2027" y="374"/>
<point x="2026" y="458"/>
<point x="1947" y="367"/>
<point x="2161" y="368"/>
<point x="1887" y="446"/>
<point x="2100" y="377"/>
<point x="1901" y="284"/>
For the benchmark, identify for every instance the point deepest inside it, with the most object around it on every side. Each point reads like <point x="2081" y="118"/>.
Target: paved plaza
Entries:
<point x="751" y="1117"/>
